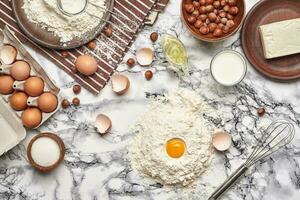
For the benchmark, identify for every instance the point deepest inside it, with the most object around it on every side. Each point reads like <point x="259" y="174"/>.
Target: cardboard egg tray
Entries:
<point x="8" y="117"/>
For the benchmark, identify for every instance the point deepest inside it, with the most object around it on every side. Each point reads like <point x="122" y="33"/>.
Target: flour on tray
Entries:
<point x="46" y="14"/>
<point x="177" y="115"/>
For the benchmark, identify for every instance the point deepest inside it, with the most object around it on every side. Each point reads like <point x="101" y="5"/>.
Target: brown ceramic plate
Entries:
<point x="209" y="37"/>
<point x="48" y="39"/>
<point x="265" y="12"/>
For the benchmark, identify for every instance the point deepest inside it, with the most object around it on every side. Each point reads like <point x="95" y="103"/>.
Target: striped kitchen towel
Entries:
<point x="110" y="50"/>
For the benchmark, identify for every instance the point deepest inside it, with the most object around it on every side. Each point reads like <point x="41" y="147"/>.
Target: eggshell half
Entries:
<point x="145" y="56"/>
<point x="103" y="124"/>
<point x="8" y="54"/>
<point x="120" y="84"/>
<point x="222" y="141"/>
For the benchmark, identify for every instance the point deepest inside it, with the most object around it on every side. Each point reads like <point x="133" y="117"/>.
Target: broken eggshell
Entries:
<point x="221" y="141"/>
<point x="8" y="54"/>
<point x="145" y="56"/>
<point x="120" y="84"/>
<point x="103" y="124"/>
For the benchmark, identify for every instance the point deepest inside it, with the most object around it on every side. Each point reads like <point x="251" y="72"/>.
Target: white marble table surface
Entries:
<point x="96" y="167"/>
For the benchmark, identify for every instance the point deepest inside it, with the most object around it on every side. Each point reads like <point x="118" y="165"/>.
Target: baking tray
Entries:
<point x="264" y="12"/>
<point x="48" y="39"/>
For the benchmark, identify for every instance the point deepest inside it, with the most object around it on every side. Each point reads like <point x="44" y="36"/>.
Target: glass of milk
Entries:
<point x="228" y="67"/>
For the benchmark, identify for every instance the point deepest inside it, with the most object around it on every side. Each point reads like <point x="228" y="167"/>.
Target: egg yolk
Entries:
<point x="175" y="147"/>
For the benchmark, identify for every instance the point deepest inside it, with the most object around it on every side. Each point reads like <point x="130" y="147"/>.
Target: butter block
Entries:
<point x="281" y="38"/>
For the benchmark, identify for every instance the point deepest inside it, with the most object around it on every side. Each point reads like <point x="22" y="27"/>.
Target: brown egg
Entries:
<point x="6" y="84"/>
<point x="47" y="102"/>
<point x="20" y="70"/>
<point x="34" y="86"/>
<point x="31" y="117"/>
<point x="86" y="65"/>
<point x="18" y="101"/>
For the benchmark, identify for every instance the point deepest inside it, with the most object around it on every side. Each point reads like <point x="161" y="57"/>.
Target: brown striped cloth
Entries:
<point x="110" y="50"/>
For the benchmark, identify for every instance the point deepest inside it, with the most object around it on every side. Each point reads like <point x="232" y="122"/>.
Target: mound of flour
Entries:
<point x="177" y="115"/>
<point x="46" y="14"/>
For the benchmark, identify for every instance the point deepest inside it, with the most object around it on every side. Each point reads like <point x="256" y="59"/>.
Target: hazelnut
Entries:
<point x="226" y="8"/>
<point x="202" y="2"/>
<point x="191" y="19"/>
<point x="261" y="111"/>
<point x="108" y="31"/>
<point x="220" y="25"/>
<point x="223" y="2"/>
<point x="212" y="17"/>
<point x="224" y="20"/>
<point x="209" y="2"/>
<point x="189" y="8"/>
<point x="196" y="4"/>
<point x="76" y="101"/>
<point x="225" y="29"/>
<point x="215" y="11"/>
<point x="76" y="89"/>
<point x="65" y="54"/>
<point x="232" y="2"/>
<point x="154" y="37"/>
<point x="209" y="8"/>
<point x="217" y="4"/>
<point x="218" y="20"/>
<point x="212" y="27"/>
<point x="202" y="17"/>
<point x="233" y="10"/>
<point x="198" y="24"/>
<point x="218" y="32"/>
<point x="229" y="16"/>
<point x="204" y="30"/>
<point x="148" y="75"/>
<point x="230" y="23"/>
<point x="196" y="13"/>
<point x="130" y="62"/>
<point x="222" y="14"/>
<point x="92" y="45"/>
<point x="202" y="10"/>
<point x="65" y="104"/>
<point x="207" y="21"/>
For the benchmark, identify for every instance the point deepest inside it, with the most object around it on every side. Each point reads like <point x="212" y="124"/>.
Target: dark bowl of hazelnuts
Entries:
<point x="213" y="20"/>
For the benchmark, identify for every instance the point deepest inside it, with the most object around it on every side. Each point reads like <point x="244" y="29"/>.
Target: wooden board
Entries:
<point x="48" y="39"/>
<point x="265" y="12"/>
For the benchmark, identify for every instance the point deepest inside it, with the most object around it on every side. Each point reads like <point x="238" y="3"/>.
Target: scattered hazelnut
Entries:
<point x="130" y="62"/>
<point x="154" y="37"/>
<point x="148" y="75"/>
<point x="207" y="21"/>
<point x="189" y="8"/>
<point x="212" y="17"/>
<point x="204" y="30"/>
<point x="92" y="45"/>
<point x="76" y="101"/>
<point x="225" y="29"/>
<point x="65" y="54"/>
<point x="212" y="27"/>
<point x="198" y="24"/>
<point x="202" y="2"/>
<point x="261" y="111"/>
<point x="108" y="31"/>
<point x="218" y="20"/>
<point x="209" y="8"/>
<point x="217" y="4"/>
<point x="222" y="14"/>
<point x="220" y="25"/>
<point x="202" y="10"/>
<point x="232" y="2"/>
<point x="191" y="19"/>
<point x="202" y="17"/>
<point x="229" y="16"/>
<point x="233" y="10"/>
<point x="76" y="89"/>
<point x="223" y="2"/>
<point x="218" y="32"/>
<point x="230" y="23"/>
<point x="65" y="103"/>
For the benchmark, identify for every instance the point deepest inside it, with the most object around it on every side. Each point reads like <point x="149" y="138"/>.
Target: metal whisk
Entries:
<point x="86" y="2"/>
<point x="277" y="135"/>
